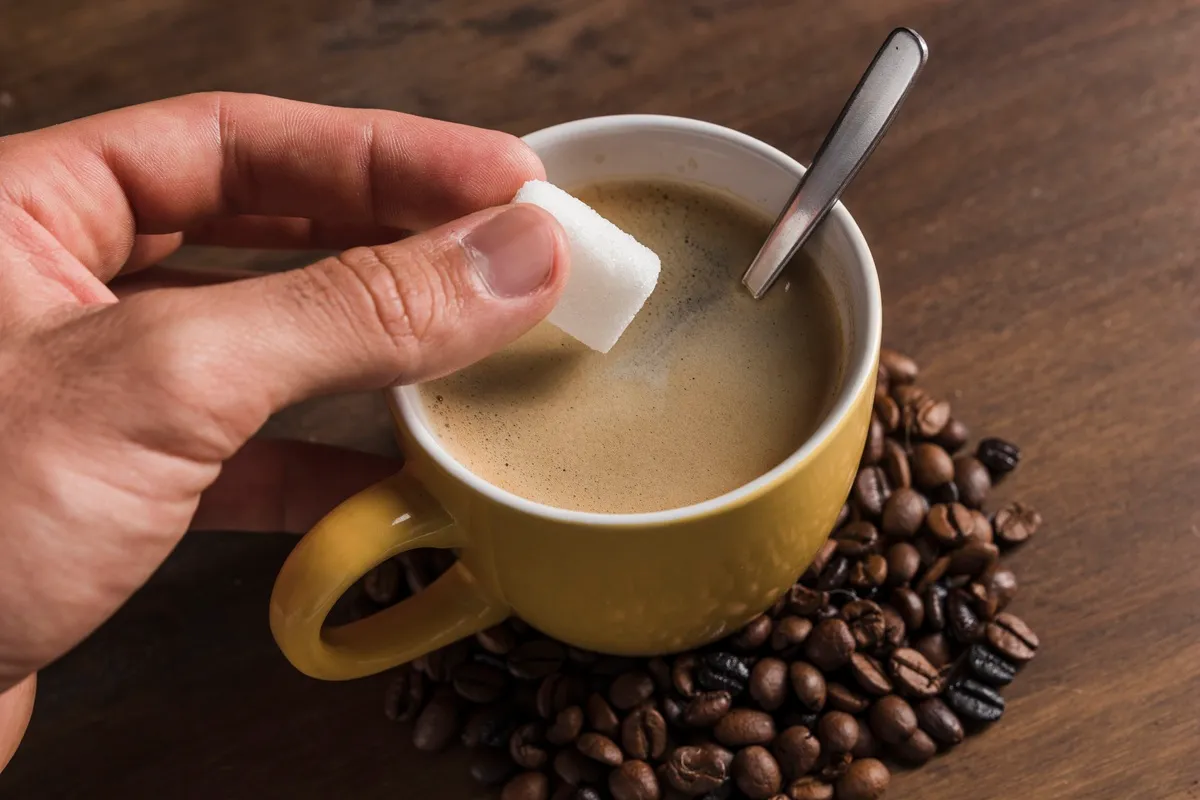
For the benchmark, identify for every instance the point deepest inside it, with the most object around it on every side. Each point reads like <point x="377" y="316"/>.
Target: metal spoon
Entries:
<point x="861" y="125"/>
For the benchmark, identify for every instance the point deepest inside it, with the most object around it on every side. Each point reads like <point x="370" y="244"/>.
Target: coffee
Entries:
<point x="706" y="390"/>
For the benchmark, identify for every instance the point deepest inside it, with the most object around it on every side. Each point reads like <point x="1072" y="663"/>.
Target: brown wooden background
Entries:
<point x="1035" y="214"/>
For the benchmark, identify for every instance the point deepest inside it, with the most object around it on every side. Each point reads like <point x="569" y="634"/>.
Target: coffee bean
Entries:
<point x="837" y="732"/>
<point x="600" y="715"/>
<point x="900" y="368"/>
<point x="631" y="689"/>
<point x="706" y="708"/>
<point x="935" y="607"/>
<point x="930" y="417"/>
<point x="479" y="683"/>
<point x="869" y="573"/>
<point x="916" y="749"/>
<point x="498" y="639"/>
<point x="869" y="674"/>
<point x="527" y="786"/>
<point x="558" y="691"/>
<point x="566" y="726"/>
<point x="870" y="491"/>
<point x="790" y="632"/>
<point x="439" y="665"/>
<point x="937" y="570"/>
<point x="931" y="466"/>
<point x="896" y="466"/>
<point x="769" y="683"/>
<point x="893" y="626"/>
<point x="405" y="696"/>
<point x="1015" y="523"/>
<point x="582" y="793"/>
<point x="865" y="619"/>
<point x="951" y="524"/>
<point x="946" y="493"/>
<point x="937" y="720"/>
<point x="893" y="719"/>
<point x="910" y="606"/>
<point x="644" y="733"/>
<point x="913" y="674"/>
<point x="984" y="601"/>
<point x="975" y="701"/>
<point x="599" y="747"/>
<point x="660" y="671"/>
<point x="999" y="456"/>
<point x="1002" y="585"/>
<point x="953" y="436"/>
<point x="723" y="672"/>
<point x="803" y="601"/>
<point x="903" y="562"/>
<point x="525" y="746"/>
<point x="1012" y="638"/>
<point x="810" y="787"/>
<point x="757" y="773"/>
<point x="935" y="647"/>
<point x="865" y="746"/>
<point x="753" y="635"/>
<point x="887" y="411"/>
<point x="697" y="770"/>
<point x="438" y="724"/>
<point x="744" y="726"/>
<point x="830" y="644"/>
<point x="982" y="532"/>
<point x="903" y="514"/>
<point x="634" y="780"/>
<point x="865" y="779"/>
<point x="808" y="684"/>
<point x="489" y="767"/>
<point x="796" y="750"/>
<point x="857" y="539"/>
<point x="577" y="769"/>
<point x="972" y="479"/>
<point x="490" y="726"/>
<point x="821" y="560"/>
<point x="683" y="675"/>
<point x="535" y="659"/>
<point x="964" y="623"/>
<point x="835" y="766"/>
<point x="842" y="698"/>
<point x="835" y="574"/>
<point x="973" y="559"/>
<point x="873" y="451"/>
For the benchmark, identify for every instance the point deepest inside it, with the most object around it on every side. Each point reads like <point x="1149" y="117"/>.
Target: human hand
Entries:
<point x="129" y="399"/>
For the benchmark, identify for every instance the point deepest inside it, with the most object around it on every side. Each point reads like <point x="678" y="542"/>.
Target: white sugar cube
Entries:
<point x="612" y="273"/>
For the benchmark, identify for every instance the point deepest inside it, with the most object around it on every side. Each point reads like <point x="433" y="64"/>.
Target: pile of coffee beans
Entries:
<point x="894" y="645"/>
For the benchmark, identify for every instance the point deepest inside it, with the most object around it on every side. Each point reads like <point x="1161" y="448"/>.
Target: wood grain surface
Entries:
<point x="1035" y="214"/>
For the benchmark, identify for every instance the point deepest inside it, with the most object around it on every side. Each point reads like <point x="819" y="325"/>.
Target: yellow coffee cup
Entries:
<point x="629" y="584"/>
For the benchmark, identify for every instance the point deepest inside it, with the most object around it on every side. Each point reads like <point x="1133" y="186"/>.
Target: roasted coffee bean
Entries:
<point x="873" y="451"/>
<point x="939" y="721"/>
<point x="489" y="767"/>
<point x="882" y="381"/>
<point x="945" y="494"/>
<point x="723" y="672"/>
<point x="896" y="466"/>
<point x="438" y="724"/>
<point x="973" y="481"/>
<point x="953" y="436"/>
<point x="864" y="779"/>
<point x="525" y="746"/>
<point x="931" y="466"/>
<point x="558" y="691"/>
<point x="865" y="746"/>
<point x="836" y="766"/>
<point x="830" y="644"/>
<point x="660" y="671"/>
<point x="644" y="733"/>
<point x="527" y="786"/>
<point x="857" y="539"/>
<point x="935" y="647"/>
<point x="975" y="701"/>
<point x="910" y="606"/>
<point x="1015" y="523"/>
<point x="900" y="368"/>
<point x="744" y="726"/>
<point x="600" y="716"/>
<point x="972" y="559"/>
<point x="835" y="574"/>
<point x="893" y="719"/>
<point x="914" y="676"/>
<point x="865" y="619"/>
<point x="964" y="623"/>
<point x="479" y="683"/>
<point x="803" y="601"/>
<point x="672" y="710"/>
<point x="634" y="780"/>
<point x="683" y="675"/>
<point x="566" y="726"/>
<point x="937" y="570"/>
<point x="769" y="683"/>
<point x="382" y="582"/>
<point x="599" y="747"/>
<point x="870" y="491"/>
<point x="405" y="696"/>
<point x="1011" y="638"/>
<point x="577" y="769"/>
<point x="706" y="708"/>
<point x="535" y="659"/>
<point x="790" y="632"/>
<point x="808" y="684"/>
<point x="821" y="560"/>
<point x="999" y="456"/>
<point x="796" y="750"/>
<point x="439" y="665"/>
<point x="1002" y="585"/>
<point x="869" y="573"/>
<point x="840" y="697"/>
<point x="984" y="601"/>
<point x="903" y="562"/>
<point x="982" y="532"/>
<point x="870" y="674"/>
<point x="893" y="626"/>
<point x="810" y="787"/>
<point x="887" y="411"/>
<point x="929" y="417"/>
<point x="837" y="732"/>
<point x="491" y="726"/>
<point x="916" y="749"/>
<point x="753" y="635"/>
<point x="951" y="524"/>
<point x="498" y="639"/>
<point x="935" y="607"/>
<point x="903" y="514"/>
<point x="631" y="689"/>
<point x="757" y="773"/>
<point x="697" y="770"/>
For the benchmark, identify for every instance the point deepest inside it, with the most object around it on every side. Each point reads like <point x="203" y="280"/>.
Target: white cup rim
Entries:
<point x="861" y="361"/>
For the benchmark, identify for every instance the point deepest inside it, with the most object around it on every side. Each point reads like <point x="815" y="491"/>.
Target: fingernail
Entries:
<point x="513" y="251"/>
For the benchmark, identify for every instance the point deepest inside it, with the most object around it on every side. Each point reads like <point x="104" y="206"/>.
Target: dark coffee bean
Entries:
<point x="672" y="710"/>
<point x="910" y="606"/>
<point x="900" y="368"/>
<point x="769" y="683"/>
<point x="601" y="717"/>
<point x="796" y="750"/>
<point x="599" y="747"/>
<point x="930" y="417"/>
<point x="961" y="618"/>
<point x="946" y="493"/>
<point x="631" y="689"/>
<point x="893" y="719"/>
<point x="973" y="481"/>
<point x="566" y="726"/>
<point x="999" y="456"/>
<point x="695" y="771"/>
<point x="935" y="607"/>
<point x="837" y="732"/>
<point x="489" y="767"/>
<point x="865" y="746"/>
<point x="903" y="514"/>
<point x="498" y="639"/>
<point x="869" y="573"/>
<point x="803" y="601"/>
<point x="535" y="659"/>
<point x="893" y="626"/>
<point x="951" y="524"/>
<point x="525" y="746"/>
<point x="491" y="726"/>
<point x="857" y="539"/>
<point x="382" y="583"/>
<point x="870" y="674"/>
<point x="405" y="696"/>
<point x="821" y="560"/>
<point x="982" y="532"/>
<point x="870" y="491"/>
<point x="865" y="779"/>
<point x="438" y="724"/>
<point x="937" y="570"/>
<point x="723" y="672"/>
<point x="576" y="769"/>
<point x="810" y="787"/>
<point x="975" y="701"/>
<point x="439" y="665"/>
<point x="1015" y="523"/>
<point x="903" y="562"/>
<point x="683" y="675"/>
<point x="757" y="773"/>
<point x="896" y="465"/>
<point x="1002" y="586"/>
<point x="937" y="720"/>
<point x="790" y="632"/>
<point x="835" y="574"/>
<point x="873" y="450"/>
<point x="865" y="619"/>
<point x="753" y="635"/>
<point x="808" y="684"/>
<point x="527" y="786"/>
<point x="973" y="559"/>
<point x="830" y="644"/>
<point x="706" y="708"/>
<point x="887" y="411"/>
<point x="644" y="733"/>
<point x="660" y="670"/>
<point x="916" y="749"/>
<point x="842" y="518"/>
<point x="558" y="691"/>
<point x="1011" y="638"/>
<point x="935" y="647"/>
<point x="953" y="436"/>
<point x="479" y="683"/>
<point x="634" y="780"/>
<point x="914" y="676"/>
<point x="489" y="660"/>
<point x="931" y="466"/>
<point x="744" y="726"/>
<point x="840" y="697"/>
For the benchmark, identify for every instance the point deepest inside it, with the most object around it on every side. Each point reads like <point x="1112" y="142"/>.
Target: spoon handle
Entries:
<point x="861" y="125"/>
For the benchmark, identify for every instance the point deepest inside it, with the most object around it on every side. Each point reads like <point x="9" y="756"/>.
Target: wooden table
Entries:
<point x="1035" y="214"/>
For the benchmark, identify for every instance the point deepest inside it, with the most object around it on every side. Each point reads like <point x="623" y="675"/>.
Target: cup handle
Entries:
<point x="387" y="519"/>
